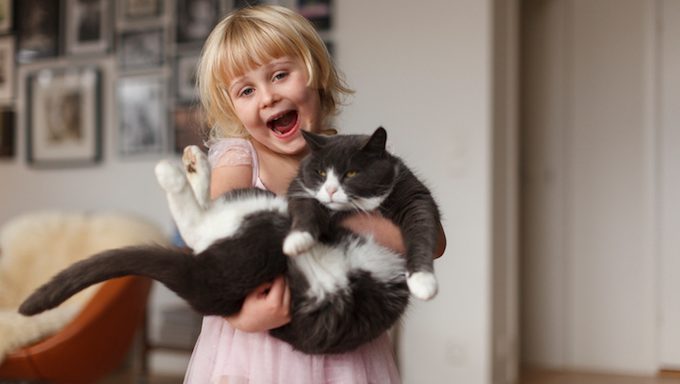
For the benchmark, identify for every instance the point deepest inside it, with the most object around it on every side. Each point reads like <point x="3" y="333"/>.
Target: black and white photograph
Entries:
<point x="247" y="3"/>
<point x="189" y="126"/>
<point x="142" y="111"/>
<point x="6" y="68"/>
<point x="7" y="134"/>
<point x="140" y="9"/>
<point x="185" y="73"/>
<point x="88" y="26"/>
<point x="195" y="20"/>
<point x="5" y="16"/>
<point x="318" y="12"/>
<point x="37" y="29"/>
<point x="63" y="116"/>
<point x="141" y="49"/>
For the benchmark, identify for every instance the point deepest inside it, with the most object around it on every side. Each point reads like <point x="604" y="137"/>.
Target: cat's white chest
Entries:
<point x="327" y="268"/>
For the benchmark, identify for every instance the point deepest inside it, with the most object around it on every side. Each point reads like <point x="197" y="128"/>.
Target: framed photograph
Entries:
<point x="141" y="49"/>
<point x="247" y="3"/>
<point x="189" y="124"/>
<point x="5" y="16"/>
<point x="7" y="134"/>
<point x="6" y="68"/>
<point x="63" y="116"/>
<point x="140" y="9"/>
<point x="37" y="29"/>
<point x="88" y="26"/>
<point x="318" y="12"/>
<point x="195" y="20"/>
<point x="143" y="122"/>
<point x="185" y="73"/>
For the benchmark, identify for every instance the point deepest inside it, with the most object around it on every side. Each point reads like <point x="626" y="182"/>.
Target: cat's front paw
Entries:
<point x="298" y="242"/>
<point x="422" y="285"/>
<point x="169" y="176"/>
<point x="195" y="161"/>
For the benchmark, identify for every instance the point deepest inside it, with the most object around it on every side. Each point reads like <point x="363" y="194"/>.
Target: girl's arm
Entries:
<point x="385" y="232"/>
<point x="268" y="306"/>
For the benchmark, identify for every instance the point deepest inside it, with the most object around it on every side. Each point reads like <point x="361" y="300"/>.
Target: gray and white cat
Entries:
<point x="345" y="289"/>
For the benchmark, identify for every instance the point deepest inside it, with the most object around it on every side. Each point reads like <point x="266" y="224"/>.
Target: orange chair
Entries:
<point x="93" y="344"/>
<point x="36" y="245"/>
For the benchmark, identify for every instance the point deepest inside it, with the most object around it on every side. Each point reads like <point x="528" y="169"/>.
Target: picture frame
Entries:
<point x="7" y="133"/>
<point x="88" y="26"/>
<point x="63" y="117"/>
<point x="318" y="12"/>
<point x="6" y="16"/>
<point x="142" y="111"/>
<point x="141" y="49"/>
<point x="185" y="75"/>
<point x="6" y="69"/>
<point x="195" y="20"/>
<point x="189" y="126"/>
<point x="135" y="10"/>
<point x="38" y="23"/>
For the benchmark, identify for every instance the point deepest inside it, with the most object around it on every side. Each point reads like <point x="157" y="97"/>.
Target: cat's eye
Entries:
<point x="321" y="173"/>
<point x="350" y="173"/>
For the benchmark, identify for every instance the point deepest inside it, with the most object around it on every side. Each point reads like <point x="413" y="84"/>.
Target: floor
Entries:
<point x="553" y="377"/>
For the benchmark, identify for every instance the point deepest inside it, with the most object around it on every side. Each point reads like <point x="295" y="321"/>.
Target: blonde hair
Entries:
<point x="253" y="36"/>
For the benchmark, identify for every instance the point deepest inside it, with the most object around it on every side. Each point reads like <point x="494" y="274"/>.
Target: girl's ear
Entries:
<point x="314" y="142"/>
<point x="376" y="143"/>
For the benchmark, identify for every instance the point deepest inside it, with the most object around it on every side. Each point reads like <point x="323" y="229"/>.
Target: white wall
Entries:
<point x="591" y="267"/>
<point x="669" y="184"/>
<point x="423" y="70"/>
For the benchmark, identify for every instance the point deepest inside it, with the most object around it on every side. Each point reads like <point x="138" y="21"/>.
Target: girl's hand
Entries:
<point x="385" y="232"/>
<point x="265" y="308"/>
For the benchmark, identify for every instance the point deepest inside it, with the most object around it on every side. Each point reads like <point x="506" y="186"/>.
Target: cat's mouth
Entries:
<point x="283" y="123"/>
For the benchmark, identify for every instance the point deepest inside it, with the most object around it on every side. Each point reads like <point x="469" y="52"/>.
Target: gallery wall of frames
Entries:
<point x="50" y="65"/>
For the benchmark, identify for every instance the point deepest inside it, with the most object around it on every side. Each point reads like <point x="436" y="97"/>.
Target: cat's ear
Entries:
<point x="314" y="141"/>
<point x="376" y="143"/>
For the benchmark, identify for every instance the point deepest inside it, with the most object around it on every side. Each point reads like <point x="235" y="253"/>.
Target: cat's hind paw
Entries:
<point x="298" y="242"/>
<point x="169" y="176"/>
<point x="422" y="285"/>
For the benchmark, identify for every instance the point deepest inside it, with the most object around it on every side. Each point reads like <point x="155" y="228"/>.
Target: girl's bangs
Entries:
<point x="249" y="47"/>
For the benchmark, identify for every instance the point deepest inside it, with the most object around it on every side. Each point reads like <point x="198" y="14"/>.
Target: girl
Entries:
<point x="265" y="75"/>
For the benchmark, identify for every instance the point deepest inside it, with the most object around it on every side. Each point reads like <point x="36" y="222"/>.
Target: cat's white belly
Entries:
<point x="327" y="268"/>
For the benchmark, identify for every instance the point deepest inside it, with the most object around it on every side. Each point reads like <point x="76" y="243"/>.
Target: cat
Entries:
<point x="345" y="289"/>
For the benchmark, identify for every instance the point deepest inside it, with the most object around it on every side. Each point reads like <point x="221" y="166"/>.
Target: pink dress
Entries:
<point x="224" y="355"/>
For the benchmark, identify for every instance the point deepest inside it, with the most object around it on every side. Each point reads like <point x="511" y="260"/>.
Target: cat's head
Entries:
<point x="348" y="172"/>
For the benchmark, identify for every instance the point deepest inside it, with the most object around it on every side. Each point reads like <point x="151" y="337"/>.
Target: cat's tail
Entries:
<point x="172" y="267"/>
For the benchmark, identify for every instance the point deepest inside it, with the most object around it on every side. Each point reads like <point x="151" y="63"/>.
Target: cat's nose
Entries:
<point x="331" y="189"/>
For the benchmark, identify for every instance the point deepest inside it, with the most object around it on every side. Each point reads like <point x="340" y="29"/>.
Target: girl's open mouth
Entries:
<point x="284" y="124"/>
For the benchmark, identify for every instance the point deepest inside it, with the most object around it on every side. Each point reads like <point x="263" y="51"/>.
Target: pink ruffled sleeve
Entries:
<point x="230" y="152"/>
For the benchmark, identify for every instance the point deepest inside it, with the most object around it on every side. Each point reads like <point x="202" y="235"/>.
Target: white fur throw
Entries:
<point x="36" y="246"/>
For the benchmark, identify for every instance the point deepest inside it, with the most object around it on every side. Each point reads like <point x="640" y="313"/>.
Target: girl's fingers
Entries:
<point x="277" y="290"/>
<point x="286" y="297"/>
<point x="263" y="289"/>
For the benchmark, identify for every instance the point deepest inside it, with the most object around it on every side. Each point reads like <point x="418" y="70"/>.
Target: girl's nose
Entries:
<point x="269" y="96"/>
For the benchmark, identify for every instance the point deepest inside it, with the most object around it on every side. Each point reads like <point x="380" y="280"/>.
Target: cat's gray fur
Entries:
<point x="345" y="289"/>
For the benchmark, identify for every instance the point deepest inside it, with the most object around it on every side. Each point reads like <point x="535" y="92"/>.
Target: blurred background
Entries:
<point x="547" y="129"/>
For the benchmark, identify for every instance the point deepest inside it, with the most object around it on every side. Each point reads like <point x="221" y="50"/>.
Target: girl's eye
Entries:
<point x="350" y="173"/>
<point x="246" y="92"/>
<point x="321" y="173"/>
<point x="280" y="75"/>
